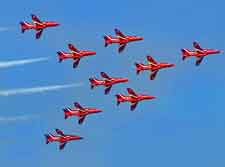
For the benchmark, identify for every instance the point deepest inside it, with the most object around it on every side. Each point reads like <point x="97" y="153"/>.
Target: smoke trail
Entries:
<point x="16" y="118"/>
<point x="4" y="29"/>
<point x="36" y="89"/>
<point x="5" y="64"/>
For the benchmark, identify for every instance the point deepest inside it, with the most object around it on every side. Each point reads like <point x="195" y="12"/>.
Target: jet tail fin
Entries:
<point x="60" y="56"/>
<point x="138" y="68"/>
<point x="24" y="26"/>
<point x="66" y="113"/>
<point x="94" y="82"/>
<point x="107" y="40"/>
<point x="48" y="138"/>
<point x="185" y="53"/>
<point x="119" y="98"/>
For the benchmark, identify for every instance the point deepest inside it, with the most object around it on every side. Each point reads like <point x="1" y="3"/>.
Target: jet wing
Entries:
<point x="81" y="120"/>
<point x="61" y="146"/>
<point x="77" y="105"/>
<point x="119" y="33"/>
<point x="196" y="45"/>
<point x="38" y="34"/>
<point x="131" y="92"/>
<point x="58" y="131"/>
<point x="151" y="61"/>
<point x="104" y="75"/>
<point x="121" y="47"/>
<point x="153" y="75"/>
<point x="199" y="60"/>
<point x="133" y="106"/>
<point x="36" y="20"/>
<point x="107" y="90"/>
<point x="76" y="63"/>
<point x="73" y="48"/>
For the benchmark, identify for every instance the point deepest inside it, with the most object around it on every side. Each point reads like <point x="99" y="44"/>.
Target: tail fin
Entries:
<point x="24" y="26"/>
<point x="48" y="138"/>
<point x="94" y="82"/>
<point x="119" y="98"/>
<point x="60" y="56"/>
<point x="66" y="112"/>
<point x="185" y="53"/>
<point x="107" y="40"/>
<point x="138" y="68"/>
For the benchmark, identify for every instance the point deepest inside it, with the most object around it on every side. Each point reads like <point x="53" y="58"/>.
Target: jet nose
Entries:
<point x="92" y="53"/>
<point x="56" y="24"/>
<point x="124" y="80"/>
<point x="172" y="65"/>
<point x="150" y="97"/>
<point x="139" y="38"/>
<point x="98" y="111"/>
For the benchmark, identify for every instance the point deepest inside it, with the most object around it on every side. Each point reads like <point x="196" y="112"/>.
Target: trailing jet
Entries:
<point x="133" y="98"/>
<point x="80" y="112"/>
<point x="120" y="39"/>
<point x="75" y="54"/>
<point x="61" y="138"/>
<point x="37" y="25"/>
<point x="108" y="81"/>
<point x="199" y="52"/>
<point x="153" y="66"/>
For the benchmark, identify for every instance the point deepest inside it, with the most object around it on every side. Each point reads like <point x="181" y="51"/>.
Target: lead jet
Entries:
<point x="132" y="98"/>
<point x="37" y="25"/>
<point x="153" y="66"/>
<point x="120" y="39"/>
<point x="199" y="52"/>
<point x="61" y="138"/>
<point x="79" y="112"/>
<point x="75" y="54"/>
<point x="108" y="81"/>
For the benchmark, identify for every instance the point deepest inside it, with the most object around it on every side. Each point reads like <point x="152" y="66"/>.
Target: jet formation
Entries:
<point x="107" y="81"/>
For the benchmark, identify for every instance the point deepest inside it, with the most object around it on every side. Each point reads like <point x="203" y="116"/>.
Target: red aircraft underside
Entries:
<point x="199" y="53"/>
<point x="120" y="39"/>
<point x="108" y="81"/>
<point x="37" y="25"/>
<point x="75" y="54"/>
<point x="61" y="138"/>
<point x="153" y="66"/>
<point x="133" y="98"/>
<point x="80" y="112"/>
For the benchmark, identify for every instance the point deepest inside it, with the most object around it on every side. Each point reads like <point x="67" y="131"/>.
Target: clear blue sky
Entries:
<point x="184" y="126"/>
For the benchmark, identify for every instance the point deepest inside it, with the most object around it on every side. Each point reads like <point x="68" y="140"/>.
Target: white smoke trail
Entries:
<point x="4" y="29"/>
<point x="16" y="118"/>
<point x="5" y="64"/>
<point x="37" y="89"/>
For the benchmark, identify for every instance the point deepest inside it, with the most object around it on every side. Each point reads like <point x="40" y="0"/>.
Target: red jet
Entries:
<point x="75" y="54"/>
<point x="133" y="98"/>
<point x="199" y="53"/>
<point x="153" y="66"/>
<point x="37" y="25"/>
<point x="121" y="39"/>
<point x="108" y="82"/>
<point x="62" y="138"/>
<point x="80" y="112"/>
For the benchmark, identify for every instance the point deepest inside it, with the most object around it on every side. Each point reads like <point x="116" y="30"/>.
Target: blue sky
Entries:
<point x="184" y="126"/>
